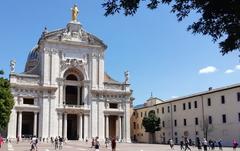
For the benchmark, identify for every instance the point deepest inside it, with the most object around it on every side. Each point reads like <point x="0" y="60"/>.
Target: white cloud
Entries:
<point x="237" y="67"/>
<point x="228" y="71"/>
<point x="208" y="69"/>
<point x="174" y="97"/>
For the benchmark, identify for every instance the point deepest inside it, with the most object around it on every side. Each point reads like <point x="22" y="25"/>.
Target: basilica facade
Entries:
<point x="65" y="91"/>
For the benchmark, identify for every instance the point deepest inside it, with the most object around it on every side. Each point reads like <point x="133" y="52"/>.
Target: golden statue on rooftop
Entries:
<point x="74" y="12"/>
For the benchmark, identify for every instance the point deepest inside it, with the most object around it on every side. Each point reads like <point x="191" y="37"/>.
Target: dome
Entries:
<point x="32" y="60"/>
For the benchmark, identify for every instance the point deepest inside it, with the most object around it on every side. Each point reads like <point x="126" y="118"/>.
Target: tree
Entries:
<point x="6" y="101"/>
<point x="219" y="18"/>
<point x="151" y="124"/>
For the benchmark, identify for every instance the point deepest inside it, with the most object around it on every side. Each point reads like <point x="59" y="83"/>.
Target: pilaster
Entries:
<point x="44" y="116"/>
<point x="101" y="121"/>
<point x="94" y="71"/>
<point x="86" y="127"/>
<point x="12" y="125"/>
<point x="60" y="124"/>
<point x="101" y="70"/>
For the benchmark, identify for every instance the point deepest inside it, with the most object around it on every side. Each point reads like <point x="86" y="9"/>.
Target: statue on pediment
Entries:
<point x="12" y="66"/>
<point x="74" y="12"/>
<point x="126" y="74"/>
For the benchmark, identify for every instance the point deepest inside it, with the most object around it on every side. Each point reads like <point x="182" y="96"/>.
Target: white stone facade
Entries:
<point x="65" y="91"/>
<point x="203" y="113"/>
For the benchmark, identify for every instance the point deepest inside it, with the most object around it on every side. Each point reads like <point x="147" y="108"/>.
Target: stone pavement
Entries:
<point x="82" y="146"/>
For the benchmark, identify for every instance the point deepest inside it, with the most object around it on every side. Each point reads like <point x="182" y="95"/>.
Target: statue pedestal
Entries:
<point x="74" y="26"/>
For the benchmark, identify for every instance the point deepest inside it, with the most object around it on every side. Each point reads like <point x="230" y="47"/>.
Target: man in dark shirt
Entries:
<point x="113" y="144"/>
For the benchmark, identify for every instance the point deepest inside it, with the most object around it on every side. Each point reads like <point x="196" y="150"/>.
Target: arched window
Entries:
<point x="73" y="74"/>
<point x="73" y="91"/>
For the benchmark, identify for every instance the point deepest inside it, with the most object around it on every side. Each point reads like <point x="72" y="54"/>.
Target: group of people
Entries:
<point x="95" y="143"/>
<point x="211" y="144"/>
<point x="57" y="142"/>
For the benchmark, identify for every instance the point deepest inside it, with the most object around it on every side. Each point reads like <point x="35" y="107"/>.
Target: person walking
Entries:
<point x="113" y="144"/>
<point x="181" y="145"/>
<point x="205" y="144"/>
<point x="60" y="141"/>
<point x="187" y="144"/>
<point x="33" y="143"/>
<point x="52" y="141"/>
<point x="213" y="144"/>
<point x="97" y="145"/>
<point x="106" y="142"/>
<point x="171" y="143"/>
<point x="198" y="144"/>
<point x="1" y="141"/>
<point x="18" y="139"/>
<point x="93" y="143"/>
<point x="56" y="143"/>
<point x="235" y="144"/>
<point x="220" y="144"/>
<point x="209" y="144"/>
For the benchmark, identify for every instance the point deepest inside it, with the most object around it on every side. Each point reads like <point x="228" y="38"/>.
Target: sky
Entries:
<point x="162" y="57"/>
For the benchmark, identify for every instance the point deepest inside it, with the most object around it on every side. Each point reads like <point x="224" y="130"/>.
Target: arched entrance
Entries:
<point x="73" y="98"/>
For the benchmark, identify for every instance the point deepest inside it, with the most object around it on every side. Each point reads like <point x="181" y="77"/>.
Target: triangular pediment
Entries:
<point x="73" y="33"/>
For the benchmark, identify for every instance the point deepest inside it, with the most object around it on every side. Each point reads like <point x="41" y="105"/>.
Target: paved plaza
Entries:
<point x="83" y="146"/>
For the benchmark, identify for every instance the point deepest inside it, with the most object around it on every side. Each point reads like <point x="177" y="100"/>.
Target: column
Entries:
<point x="85" y="93"/>
<point x="124" y="129"/>
<point x="60" y="102"/>
<point x="21" y="101"/>
<point x="78" y="95"/>
<point x="80" y="127"/>
<point x="116" y="127"/>
<point x="65" y="125"/>
<point x="85" y="126"/>
<point x="107" y="126"/>
<point x="35" y="124"/>
<point x="60" y="122"/>
<point x="127" y="122"/>
<point x="64" y="94"/>
<point x="120" y="127"/>
<point x="20" y="124"/>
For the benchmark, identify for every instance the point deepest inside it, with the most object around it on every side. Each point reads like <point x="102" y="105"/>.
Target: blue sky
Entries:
<point x="161" y="56"/>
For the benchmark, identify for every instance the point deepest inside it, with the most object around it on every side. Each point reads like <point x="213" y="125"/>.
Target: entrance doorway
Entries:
<point x="72" y="127"/>
<point x="112" y="126"/>
<point x="27" y="124"/>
